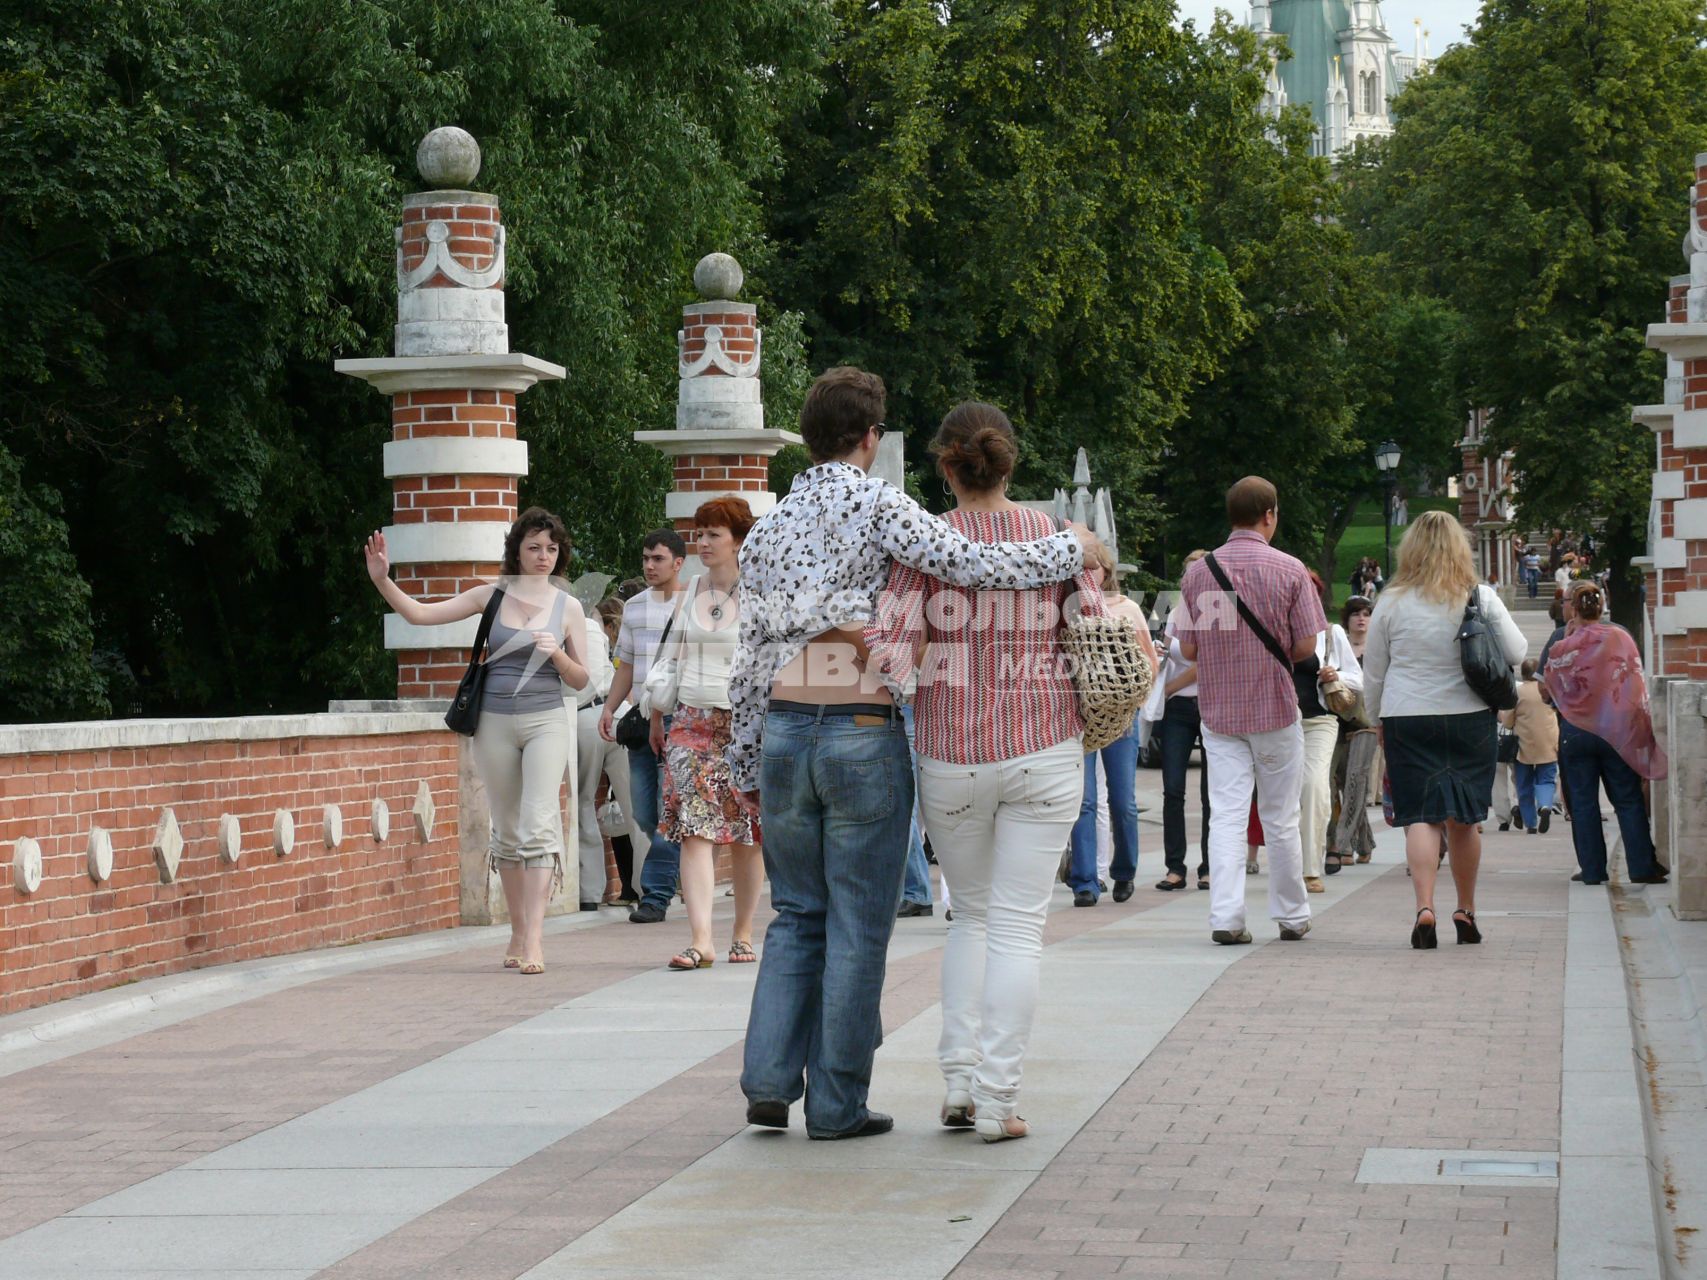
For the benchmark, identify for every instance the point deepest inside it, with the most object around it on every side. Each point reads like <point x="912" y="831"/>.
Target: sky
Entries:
<point x="1444" y="20"/>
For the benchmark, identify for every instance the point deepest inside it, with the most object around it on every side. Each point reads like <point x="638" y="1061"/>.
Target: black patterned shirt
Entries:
<point x="818" y="559"/>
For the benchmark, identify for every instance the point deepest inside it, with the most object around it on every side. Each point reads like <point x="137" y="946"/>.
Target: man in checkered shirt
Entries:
<point x="1252" y="733"/>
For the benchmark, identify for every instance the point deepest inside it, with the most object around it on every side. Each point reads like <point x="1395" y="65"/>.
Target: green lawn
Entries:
<point x="1363" y="538"/>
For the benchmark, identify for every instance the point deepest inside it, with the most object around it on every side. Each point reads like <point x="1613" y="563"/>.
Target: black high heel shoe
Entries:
<point x="1467" y="930"/>
<point x="1423" y="936"/>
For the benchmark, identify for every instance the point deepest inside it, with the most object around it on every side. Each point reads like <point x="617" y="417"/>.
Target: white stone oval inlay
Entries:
<point x="26" y="865"/>
<point x="284" y="832"/>
<point x="100" y="855"/>
<point x="424" y="811"/>
<point x="381" y="822"/>
<point x="230" y="839"/>
<point x="332" y="827"/>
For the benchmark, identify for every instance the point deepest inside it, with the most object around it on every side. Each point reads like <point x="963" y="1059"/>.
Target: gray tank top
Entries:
<point x="519" y="680"/>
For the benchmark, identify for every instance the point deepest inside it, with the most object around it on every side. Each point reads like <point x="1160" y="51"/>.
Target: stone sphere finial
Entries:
<point x="718" y="277"/>
<point x="448" y="157"/>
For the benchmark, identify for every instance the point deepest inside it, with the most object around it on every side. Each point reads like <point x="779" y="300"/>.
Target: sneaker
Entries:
<point x="646" y="913"/>
<point x="1313" y="884"/>
<point x="1228" y="938"/>
<point x="1294" y="933"/>
<point x="911" y="909"/>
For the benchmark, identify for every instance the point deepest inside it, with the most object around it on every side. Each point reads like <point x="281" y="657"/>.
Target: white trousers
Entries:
<point x="594" y="757"/>
<point x="1316" y="791"/>
<point x="1105" y="832"/>
<point x="998" y="830"/>
<point x="1503" y="792"/>
<point x="523" y="759"/>
<point x="1273" y="763"/>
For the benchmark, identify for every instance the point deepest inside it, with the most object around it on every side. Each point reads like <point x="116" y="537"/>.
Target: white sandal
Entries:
<point x="1000" y="1130"/>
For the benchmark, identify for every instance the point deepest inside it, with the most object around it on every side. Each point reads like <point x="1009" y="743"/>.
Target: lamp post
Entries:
<point x="1387" y="463"/>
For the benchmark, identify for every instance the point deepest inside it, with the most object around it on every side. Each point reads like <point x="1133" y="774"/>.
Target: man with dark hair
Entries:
<point x="1249" y="613"/>
<point x="836" y="786"/>
<point x="644" y="618"/>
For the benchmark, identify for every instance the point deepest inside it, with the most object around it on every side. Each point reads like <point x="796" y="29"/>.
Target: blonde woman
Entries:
<point x="1438" y="734"/>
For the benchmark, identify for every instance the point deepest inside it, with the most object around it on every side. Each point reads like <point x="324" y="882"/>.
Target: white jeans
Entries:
<point x="998" y="831"/>
<point x="1316" y="791"/>
<point x="1105" y="832"/>
<point x="1503" y="792"/>
<point x="594" y="757"/>
<point x="1273" y="762"/>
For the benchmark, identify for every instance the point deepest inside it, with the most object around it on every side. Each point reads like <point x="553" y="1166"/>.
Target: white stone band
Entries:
<point x="446" y="542"/>
<point x="103" y="735"/>
<point x="681" y="506"/>
<point x="449" y="635"/>
<point x="1689" y="429"/>
<point x="395" y="374"/>
<point x="719" y="391"/>
<point x="456" y="456"/>
<point x="710" y="416"/>
<point x="1668" y="484"/>
<point x="1687" y="612"/>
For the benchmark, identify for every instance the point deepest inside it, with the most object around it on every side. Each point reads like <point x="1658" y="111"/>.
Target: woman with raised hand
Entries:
<point x="526" y="730"/>
<point x="1000" y="765"/>
<point x="701" y="809"/>
<point x="1594" y="677"/>
<point x="1438" y="733"/>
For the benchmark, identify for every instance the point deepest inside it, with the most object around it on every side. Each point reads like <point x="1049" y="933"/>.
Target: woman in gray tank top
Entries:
<point x="522" y="746"/>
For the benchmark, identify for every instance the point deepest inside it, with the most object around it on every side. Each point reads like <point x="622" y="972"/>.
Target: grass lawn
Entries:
<point x="1363" y="538"/>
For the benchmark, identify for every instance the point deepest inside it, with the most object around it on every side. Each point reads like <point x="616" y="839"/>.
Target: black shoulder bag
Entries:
<point x="635" y="730"/>
<point x="1486" y="671"/>
<point x="464" y="714"/>
<point x="1251" y="619"/>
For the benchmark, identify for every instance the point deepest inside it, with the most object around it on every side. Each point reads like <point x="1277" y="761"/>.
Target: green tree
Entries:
<point x="1534" y="183"/>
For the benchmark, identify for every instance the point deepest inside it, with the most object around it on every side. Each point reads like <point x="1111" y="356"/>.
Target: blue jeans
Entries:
<point x="834" y="801"/>
<point x="1585" y="761"/>
<point x="1534" y="789"/>
<point x="1120" y="763"/>
<point x="1182" y="729"/>
<point x="662" y="868"/>
<point x="917" y="885"/>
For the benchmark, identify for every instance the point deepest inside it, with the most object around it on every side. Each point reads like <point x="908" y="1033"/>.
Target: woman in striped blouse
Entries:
<point x="1000" y="763"/>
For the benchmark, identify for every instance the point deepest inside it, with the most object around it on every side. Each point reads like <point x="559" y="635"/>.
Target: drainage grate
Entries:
<point x="1548" y="1168"/>
<point x="1410" y="1165"/>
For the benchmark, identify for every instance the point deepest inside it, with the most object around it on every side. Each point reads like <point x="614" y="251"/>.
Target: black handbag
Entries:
<point x="464" y="714"/>
<point x="1486" y="671"/>
<point x="635" y="730"/>
<point x="1506" y="753"/>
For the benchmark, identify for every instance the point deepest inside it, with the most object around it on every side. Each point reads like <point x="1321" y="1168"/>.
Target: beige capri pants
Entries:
<point x="522" y="759"/>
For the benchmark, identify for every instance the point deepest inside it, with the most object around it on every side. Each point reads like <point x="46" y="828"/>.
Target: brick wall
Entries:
<point x="73" y="936"/>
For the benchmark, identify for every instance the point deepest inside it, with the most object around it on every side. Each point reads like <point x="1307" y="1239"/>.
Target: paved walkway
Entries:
<point x="409" y="1109"/>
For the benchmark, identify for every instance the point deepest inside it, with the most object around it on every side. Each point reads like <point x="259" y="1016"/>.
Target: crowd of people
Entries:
<point x="849" y="675"/>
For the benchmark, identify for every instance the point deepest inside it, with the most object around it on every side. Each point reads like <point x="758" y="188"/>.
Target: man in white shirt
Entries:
<point x="644" y="619"/>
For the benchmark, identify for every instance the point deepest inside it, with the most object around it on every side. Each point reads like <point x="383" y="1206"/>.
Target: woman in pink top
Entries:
<point x="1000" y="766"/>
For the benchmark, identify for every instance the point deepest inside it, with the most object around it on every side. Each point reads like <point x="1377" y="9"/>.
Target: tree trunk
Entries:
<point x="1624" y="540"/>
<point x="1327" y="562"/>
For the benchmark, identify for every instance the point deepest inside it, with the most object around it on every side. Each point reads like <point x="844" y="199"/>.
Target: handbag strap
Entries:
<point x="1251" y="620"/>
<point x="478" y="653"/>
<point x="681" y="603"/>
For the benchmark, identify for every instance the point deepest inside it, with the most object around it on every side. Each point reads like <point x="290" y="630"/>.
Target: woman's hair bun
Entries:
<point x="977" y="443"/>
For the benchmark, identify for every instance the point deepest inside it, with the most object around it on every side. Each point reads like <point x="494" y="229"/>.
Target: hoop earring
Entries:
<point x="946" y="491"/>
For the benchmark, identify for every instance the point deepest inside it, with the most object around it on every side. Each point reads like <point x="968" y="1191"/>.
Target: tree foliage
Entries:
<point x="1534" y="184"/>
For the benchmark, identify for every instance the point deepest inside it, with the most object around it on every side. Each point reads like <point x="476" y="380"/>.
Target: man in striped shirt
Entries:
<point x="1252" y="735"/>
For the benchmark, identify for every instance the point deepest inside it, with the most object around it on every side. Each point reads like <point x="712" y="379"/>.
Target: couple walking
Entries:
<point x="850" y="589"/>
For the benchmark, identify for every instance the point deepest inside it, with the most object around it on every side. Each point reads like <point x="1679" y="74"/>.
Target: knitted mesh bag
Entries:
<point x="1110" y="674"/>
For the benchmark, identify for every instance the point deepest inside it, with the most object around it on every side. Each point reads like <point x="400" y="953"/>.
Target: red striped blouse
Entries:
<point x="993" y="681"/>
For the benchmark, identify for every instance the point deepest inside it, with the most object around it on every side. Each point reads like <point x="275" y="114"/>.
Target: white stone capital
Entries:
<point x="393" y="375"/>
<point x="766" y="443"/>
<point x="681" y="505"/>
<point x="449" y="635"/>
<point x="456" y="456"/>
<point x="1655" y="417"/>
<point x="1687" y="341"/>
<point x="1668" y="485"/>
<point x="445" y="541"/>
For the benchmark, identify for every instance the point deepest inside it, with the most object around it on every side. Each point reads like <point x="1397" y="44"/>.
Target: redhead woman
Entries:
<point x="526" y="730"/>
<point x="701" y="808"/>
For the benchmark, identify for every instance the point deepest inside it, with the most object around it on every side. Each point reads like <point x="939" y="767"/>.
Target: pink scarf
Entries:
<point x="1594" y="675"/>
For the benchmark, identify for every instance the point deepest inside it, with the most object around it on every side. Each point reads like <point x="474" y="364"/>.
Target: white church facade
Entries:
<point x="1345" y="66"/>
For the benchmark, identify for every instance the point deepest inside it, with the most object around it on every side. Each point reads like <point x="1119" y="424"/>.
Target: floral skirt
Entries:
<point x="699" y="796"/>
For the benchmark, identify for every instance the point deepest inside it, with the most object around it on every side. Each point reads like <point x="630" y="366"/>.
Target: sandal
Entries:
<point x="1466" y="928"/>
<point x="512" y="962"/>
<point x="1364" y="857"/>
<point x="1422" y="935"/>
<point x="957" y="1111"/>
<point x="742" y="953"/>
<point x="1001" y="1130"/>
<point x="533" y="968"/>
<point x="690" y="958"/>
<point x="1169" y="883"/>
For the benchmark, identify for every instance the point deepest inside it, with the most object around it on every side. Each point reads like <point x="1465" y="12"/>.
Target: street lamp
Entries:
<point x="1387" y="463"/>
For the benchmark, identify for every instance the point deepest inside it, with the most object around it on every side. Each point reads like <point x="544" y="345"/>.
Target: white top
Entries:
<point x="1562" y="577"/>
<point x="1333" y="649"/>
<point x="599" y="670"/>
<point x="707" y="645"/>
<point x="1411" y="663"/>
<point x="1176" y="662"/>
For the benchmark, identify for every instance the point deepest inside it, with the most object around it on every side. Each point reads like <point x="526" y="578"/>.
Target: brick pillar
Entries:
<point x="454" y="460"/>
<point x="721" y="444"/>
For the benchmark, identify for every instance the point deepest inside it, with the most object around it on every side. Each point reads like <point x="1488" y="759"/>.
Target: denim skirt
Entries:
<point x="1441" y="767"/>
